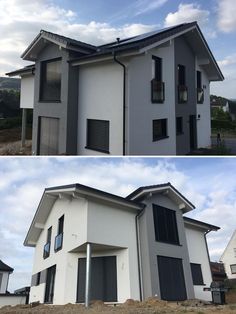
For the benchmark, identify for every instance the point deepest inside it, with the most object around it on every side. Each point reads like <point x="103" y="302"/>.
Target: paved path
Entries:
<point x="230" y="143"/>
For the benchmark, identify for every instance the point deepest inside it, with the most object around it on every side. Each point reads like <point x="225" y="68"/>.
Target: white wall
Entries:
<point x="11" y="300"/>
<point x="101" y="97"/>
<point x="27" y="92"/>
<point x="204" y="122"/>
<point x="141" y="111"/>
<point x="198" y="254"/>
<point x="3" y="285"/>
<point x="229" y="257"/>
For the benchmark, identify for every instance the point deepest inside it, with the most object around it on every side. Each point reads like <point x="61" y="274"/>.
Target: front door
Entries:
<point x="48" y="136"/>
<point x="49" y="292"/>
<point x="193" y="132"/>
<point x="103" y="279"/>
<point x="171" y="278"/>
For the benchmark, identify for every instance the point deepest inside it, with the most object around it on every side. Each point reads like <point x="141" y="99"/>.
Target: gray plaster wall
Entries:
<point x="150" y="249"/>
<point x="185" y="56"/>
<point x="66" y="110"/>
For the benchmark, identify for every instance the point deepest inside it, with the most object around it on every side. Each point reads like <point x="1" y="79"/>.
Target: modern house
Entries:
<point x="146" y="95"/>
<point x="229" y="257"/>
<point x="5" y="272"/>
<point x="91" y="244"/>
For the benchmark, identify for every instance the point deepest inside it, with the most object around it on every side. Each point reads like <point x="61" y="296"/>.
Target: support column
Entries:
<point x="23" y="127"/>
<point x="88" y="275"/>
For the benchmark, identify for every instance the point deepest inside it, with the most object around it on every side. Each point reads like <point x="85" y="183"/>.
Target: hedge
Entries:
<point x="9" y="123"/>
<point x="223" y="124"/>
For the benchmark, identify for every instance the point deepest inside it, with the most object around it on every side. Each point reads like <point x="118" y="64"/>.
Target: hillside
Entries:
<point x="9" y="83"/>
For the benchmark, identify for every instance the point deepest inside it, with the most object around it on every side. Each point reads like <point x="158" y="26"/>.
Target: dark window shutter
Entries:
<point x="98" y="135"/>
<point x="197" y="274"/>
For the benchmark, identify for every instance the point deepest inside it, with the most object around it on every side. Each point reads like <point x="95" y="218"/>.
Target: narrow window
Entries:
<point x="59" y="237"/>
<point x="182" y="89"/>
<point x="98" y="135"/>
<point x="165" y="225"/>
<point x="157" y="86"/>
<point x="179" y="125"/>
<point x="50" y="86"/>
<point x="233" y="269"/>
<point x="200" y="92"/>
<point x="159" y="129"/>
<point x="38" y="278"/>
<point x="197" y="274"/>
<point x="46" y="250"/>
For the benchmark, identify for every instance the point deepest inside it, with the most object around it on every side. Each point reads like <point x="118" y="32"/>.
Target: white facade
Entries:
<point x="229" y="257"/>
<point x="11" y="300"/>
<point x="198" y="255"/>
<point x="27" y="91"/>
<point x="4" y="277"/>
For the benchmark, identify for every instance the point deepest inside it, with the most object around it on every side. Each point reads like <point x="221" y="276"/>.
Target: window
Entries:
<point x="200" y="92"/>
<point x="179" y="125"/>
<point x="233" y="269"/>
<point x="159" y="129"/>
<point x="182" y="89"/>
<point x="157" y="86"/>
<point x="59" y="237"/>
<point x="98" y="135"/>
<point x="46" y="250"/>
<point x="196" y="274"/>
<point x="50" y="88"/>
<point x="165" y="225"/>
<point x="38" y="279"/>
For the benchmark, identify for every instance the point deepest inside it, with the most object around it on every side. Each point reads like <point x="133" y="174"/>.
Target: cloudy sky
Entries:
<point x="209" y="183"/>
<point x="99" y="21"/>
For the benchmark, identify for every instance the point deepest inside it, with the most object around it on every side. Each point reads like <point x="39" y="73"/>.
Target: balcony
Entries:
<point x="58" y="242"/>
<point x="182" y="94"/>
<point x="200" y="95"/>
<point x="158" y="91"/>
<point x="46" y="250"/>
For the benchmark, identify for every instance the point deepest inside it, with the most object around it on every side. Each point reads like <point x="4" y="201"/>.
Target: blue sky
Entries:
<point x="209" y="183"/>
<point x="99" y="21"/>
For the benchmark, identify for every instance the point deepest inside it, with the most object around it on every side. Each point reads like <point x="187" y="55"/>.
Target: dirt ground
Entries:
<point x="10" y="143"/>
<point x="151" y="306"/>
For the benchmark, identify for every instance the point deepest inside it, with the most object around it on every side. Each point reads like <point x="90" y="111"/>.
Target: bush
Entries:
<point x="223" y="124"/>
<point x="9" y="123"/>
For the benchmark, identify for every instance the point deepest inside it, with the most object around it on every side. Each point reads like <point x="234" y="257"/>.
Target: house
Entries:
<point x="229" y="257"/>
<point x="230" y="107"/>
<point x="218" y="271"/>
<point x="5" y="272"/>
<point x="145" y="95"/>
<point x="90" y="244"/>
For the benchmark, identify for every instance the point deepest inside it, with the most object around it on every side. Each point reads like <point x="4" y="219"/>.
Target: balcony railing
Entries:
<point x="58" y="242"/>
<point x="182" y="93"/>
<point x="158" y="91"/>
<point x="200" y="95"/>
<point x="46" y="250"/>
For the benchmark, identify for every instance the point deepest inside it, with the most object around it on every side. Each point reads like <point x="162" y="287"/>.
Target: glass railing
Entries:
<point x="46" y="250"/>
<point x="158" y="91"/>
<point x="182" y="94"/>
<point x="58" y="242"/>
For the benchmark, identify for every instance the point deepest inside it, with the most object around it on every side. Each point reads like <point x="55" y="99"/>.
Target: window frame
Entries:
<point x="88" y="135"/>
<point x="164" y="134"/>
<point x="59" y="236"/>
<point x="43" y="64"/>
<point x="196" y="270"/>
<point x="232" y="271"/>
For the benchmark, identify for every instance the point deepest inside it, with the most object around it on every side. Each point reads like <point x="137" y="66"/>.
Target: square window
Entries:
<point x="197" y="274"/>
<point x="50" y="87"/>
<point x="179" y="125"/>
<point x="159" y="129"/>
<point x="98" y="135"/>
<point x="233" y="269"/>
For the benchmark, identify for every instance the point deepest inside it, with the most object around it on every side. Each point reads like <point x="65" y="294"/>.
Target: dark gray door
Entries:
<point x="193" y="132"/>
<point x="171" y="278"/>
<point x="48" y="136"/>
<point x="103" y="279"/>
<point x="50" y="281"/>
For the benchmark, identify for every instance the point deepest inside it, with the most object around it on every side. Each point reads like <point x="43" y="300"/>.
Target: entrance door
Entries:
<point x="48" y="136"/>
<point x="171" y="278"/>
<point x="49" y="292"/>
<point x="193" y="132"/>
<point x="103" y="279"/>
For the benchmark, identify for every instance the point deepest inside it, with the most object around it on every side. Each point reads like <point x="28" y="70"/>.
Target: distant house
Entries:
<point x="145" y="95"/>
<point x="230" y="107"/>
<point x="229" y="257"/>
<point x="218" y="271"/>
<point x="90" y="244"/>
<point x="5" y="272"/>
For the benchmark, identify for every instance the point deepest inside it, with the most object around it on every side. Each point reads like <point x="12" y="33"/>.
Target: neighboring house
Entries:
<point x="5" y="272"/>
<point x="230" y="107"/>
<point x="146" y="95"/>
<point x="229" y="257"/>
<point x="218" y="271"/>
<point x="91" y="244"/>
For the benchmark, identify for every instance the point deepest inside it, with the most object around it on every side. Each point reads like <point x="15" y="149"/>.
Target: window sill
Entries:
<point x="171" y="243"/>
<point x="160" y="138"/>
<point x="97" y="150"/>
<point x="158" y="101"/>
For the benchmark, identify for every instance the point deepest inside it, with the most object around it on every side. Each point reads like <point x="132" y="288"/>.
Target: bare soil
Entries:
<point x="10" y="143"/>
<point x="151" y="306"/>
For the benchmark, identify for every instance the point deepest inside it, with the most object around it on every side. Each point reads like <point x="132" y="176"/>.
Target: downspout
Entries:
<point x="139" y="254"/>
<point x="124" y="98"/>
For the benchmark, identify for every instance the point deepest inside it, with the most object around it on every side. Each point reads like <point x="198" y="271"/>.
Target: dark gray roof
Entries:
<point x="203" y="224"/>
<point x="25" y="70"/>
<point x="5" y="267"/>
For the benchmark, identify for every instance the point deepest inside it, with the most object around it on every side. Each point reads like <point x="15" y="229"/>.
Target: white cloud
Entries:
<point x="187" y="13"/>
<point x="226" y="15"/>
<point x="228" y="60"/>
<point x="145" y="6"/>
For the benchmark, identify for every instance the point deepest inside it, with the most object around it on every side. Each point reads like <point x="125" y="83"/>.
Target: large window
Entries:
<point x="50" y="88"/>
<point x="59" y="236"/>
<point x="179" y="125"/>
<point x="165" y="225"/>
<point x="182" y="88"/>
<point x="46" y="250"/>
<point x="233" y="269"/>
<point x="200" y="92"/>
<point x="159" y="129"/>
<point x="157" y="86"/>
<point x="197" y="274"/>
<point x="98" y="135"/>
